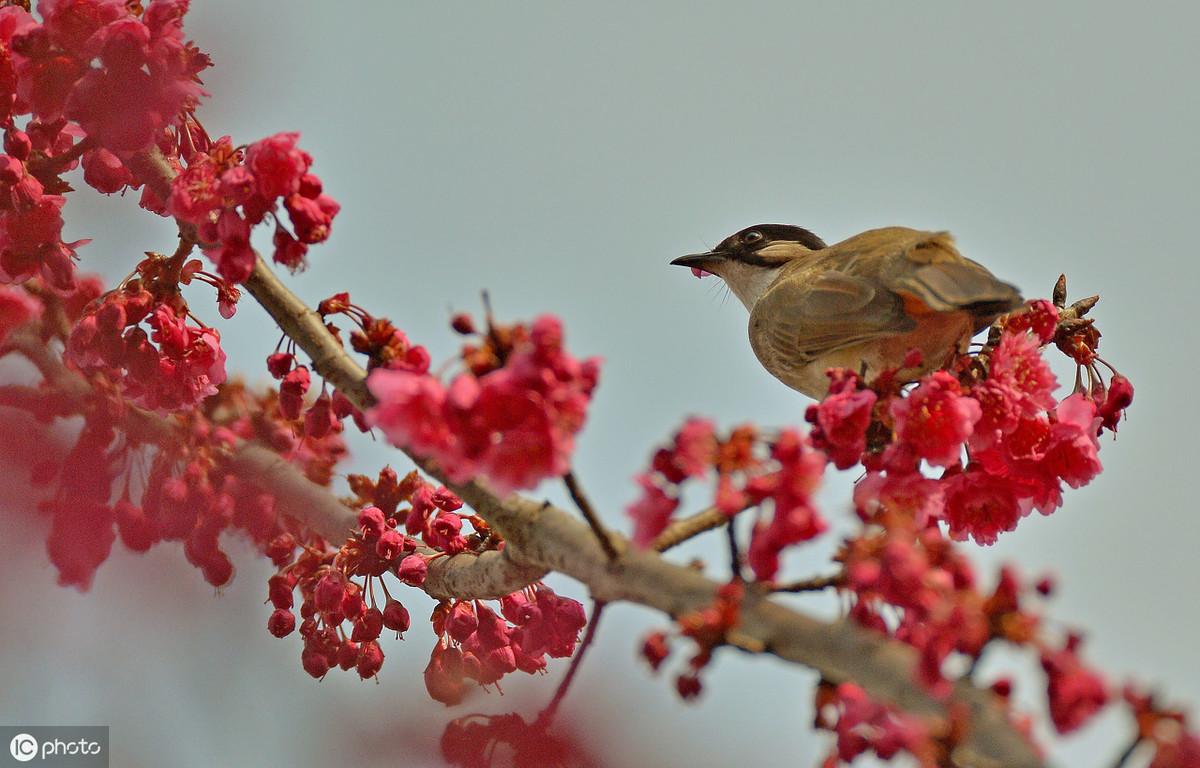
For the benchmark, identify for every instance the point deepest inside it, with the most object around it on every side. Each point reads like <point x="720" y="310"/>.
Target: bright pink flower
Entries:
<point x="934" y="419"/>
<point x="908" y="493"/>
<point x="516" y="425"/>
<point x="841" y="420"/>
<point x="1000" y="412"/>
<point x="981" y="505"/>
<point x="1073" y="451"/>
<point x="1120" y="397"/>
<point x="651" y="513"/>
<point x="1017" y="364"/>
<point x="31" y="243"/>
<point x="412" y="570"/>
<point x="146" y="77"/>
<point x="311" y="219"/>
<point x="1075" y="692"/>
<point x="695" y="447"/>
<point x="16" y="308"/>
<point x="195" y="192"/>
<point x="233" y="254"/>
<point x="794" y="519"/>
<point x="864" y="725"/>
<point x="1041" y="318"/>
<point x="104" y="172"/>
<point x="278" y="164"/>
<point x="513" y="425"/>
<point x="409" y="410"/>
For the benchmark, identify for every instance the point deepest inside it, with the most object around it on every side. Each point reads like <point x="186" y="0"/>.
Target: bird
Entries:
<point x="861" y="304"/>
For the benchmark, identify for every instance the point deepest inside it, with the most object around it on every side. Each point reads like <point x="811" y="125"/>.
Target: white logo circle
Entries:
<point x="23" y="747"/>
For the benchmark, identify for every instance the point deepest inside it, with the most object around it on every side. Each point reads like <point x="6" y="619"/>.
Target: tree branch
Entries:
<point x="468" y="576"/>
<point x="542" y="536"/>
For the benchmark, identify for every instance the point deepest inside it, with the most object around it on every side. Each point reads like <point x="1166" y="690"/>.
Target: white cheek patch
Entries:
<point x="748" y="282"/>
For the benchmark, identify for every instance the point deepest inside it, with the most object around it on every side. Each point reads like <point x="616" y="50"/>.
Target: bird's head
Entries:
<point x="749" y="260"/>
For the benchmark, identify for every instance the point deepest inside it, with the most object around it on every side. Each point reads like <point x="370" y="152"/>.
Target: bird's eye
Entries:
<point x="752" y="237"/>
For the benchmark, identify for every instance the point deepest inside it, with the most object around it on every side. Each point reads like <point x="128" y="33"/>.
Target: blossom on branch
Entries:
<point x="513" y="420"/>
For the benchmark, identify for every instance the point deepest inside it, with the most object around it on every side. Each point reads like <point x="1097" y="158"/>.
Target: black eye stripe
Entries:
<point x="753" y="259"/>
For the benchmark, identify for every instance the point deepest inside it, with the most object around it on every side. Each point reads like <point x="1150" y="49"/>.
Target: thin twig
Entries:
<point x="1127" y="753"/>
<point x="547" y="715"/>
<point x="735" y="551"/>
<point x="54" y="165"/>
<point x="688" y="527"/>
<point x="814" y="584"/>
<point x="589" y="514"/>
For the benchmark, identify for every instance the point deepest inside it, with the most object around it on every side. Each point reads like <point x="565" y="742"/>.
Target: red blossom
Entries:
<point x="16" y="308"/>
<point x="981" y="505"/>
<point x="651" y="513"/>
<point x="1119" y="397"/>
<point x="1075" y="692"/>
<point x="935" y="419"/>
<point x="516" y="425"/>
<point x="840" y="420"/>
<point x="794" y="518"/>
<point x="1040" y="317"/>
<point x="1017" y="366"/>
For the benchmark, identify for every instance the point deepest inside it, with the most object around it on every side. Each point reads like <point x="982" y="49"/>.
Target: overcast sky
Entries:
<point x="559" y="155"/>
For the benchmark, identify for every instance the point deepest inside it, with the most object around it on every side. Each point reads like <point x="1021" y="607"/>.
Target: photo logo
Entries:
<point x="23" y="747"/>
<point x="56" y="746"/>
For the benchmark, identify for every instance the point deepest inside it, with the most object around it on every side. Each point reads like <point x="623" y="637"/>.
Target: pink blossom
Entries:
<point x="651" y="513"/>
<point x="981" y="505"/>
<point x="16" y="308"/>
<point x="1018" y="366"/>
<point x="840" y="421"/>
<point x="277" y="164"/>
<point x="1075" y="692"/>
<point x="935" y="419"/>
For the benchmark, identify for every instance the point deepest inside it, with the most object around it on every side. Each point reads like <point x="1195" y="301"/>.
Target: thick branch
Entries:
<point x="542" y="536"/>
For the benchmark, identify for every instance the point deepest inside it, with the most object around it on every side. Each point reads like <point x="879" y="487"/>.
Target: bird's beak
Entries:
<point x="702" y="261"/>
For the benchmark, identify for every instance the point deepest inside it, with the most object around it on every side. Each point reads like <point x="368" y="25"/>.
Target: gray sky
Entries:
<point x="559" y="155"/>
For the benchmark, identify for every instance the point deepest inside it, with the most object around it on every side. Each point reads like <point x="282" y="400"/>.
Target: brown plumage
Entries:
<point x="863" y="302"/>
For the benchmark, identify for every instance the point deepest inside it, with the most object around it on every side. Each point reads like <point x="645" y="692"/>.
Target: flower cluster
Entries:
<point x="225" y="192"/>
<point x="16" y="308"/>
<point x="751" y="470"/>
<point x="477" y="644"/>
<point x="863" y="725"/>
<point x="121" y="78"/>
<point x="1175" y="742"/>
<point x="141" y="335"/>
<point x="707" y="628"/>
<point x="512" y="416"/>
<point x="191" y="490"/>
<point x="97" y="79"/>
<point x="474" y="740"/>
<point x="1075" y="691"/>
<point x="31" y="220"/>
<point x="963" y="453"/>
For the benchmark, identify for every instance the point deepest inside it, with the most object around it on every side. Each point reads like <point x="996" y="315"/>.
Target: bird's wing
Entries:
<point x="928" y="268"/>
<point x="804" y="316"/>
<point x="872" y="286"/>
